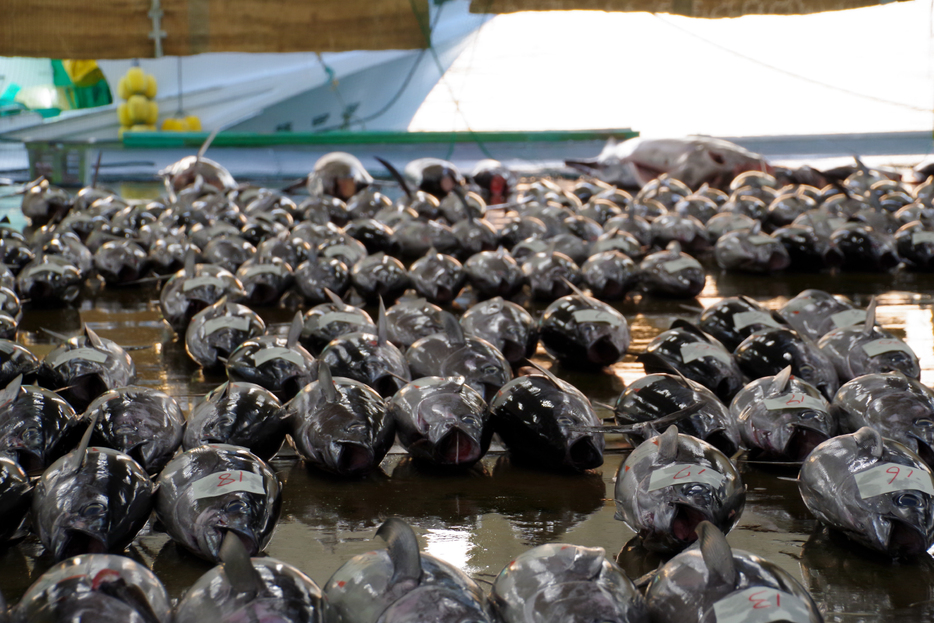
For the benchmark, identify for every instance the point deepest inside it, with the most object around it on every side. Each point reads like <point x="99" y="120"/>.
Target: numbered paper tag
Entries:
<point x="595" y="315"/>
<point x="760" y="604"/>
<point x="699" y="350"/>
<point x="278" y="352"/>
<point x="886" y="345"/>
<point x="761" y="239"/>
<point x="888" y="477"/>
<point x="681" y="473"/>
<point x="848" y="318"/>
<point x="57" y="268"/>
<point x="795" y="401"/>
<point x="747" y="318"/>
<point x="90" y="354"/>
<point x="347" y="317"/>
<point x="922" y="236"/>
<point x="836" y="223"/>
<point x="676" y="265"/>
<point x="222" y="483"/>
<point x="536" y="246"/>
<point x="238" y="323"/>
<point x="341" y="249"/>
<point x="197" y="282"/>
<point x="259" y="269"/>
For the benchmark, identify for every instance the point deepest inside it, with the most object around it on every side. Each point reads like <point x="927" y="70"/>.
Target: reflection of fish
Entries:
<point x="874" y="490"/>
<point x="672" y="482"/>
<point x="714" y="583"/>
<point x="567" y="583"/>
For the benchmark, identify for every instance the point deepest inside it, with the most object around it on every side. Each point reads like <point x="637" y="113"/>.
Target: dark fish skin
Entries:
<point x="121" y="261"/>
<point x="751" y="252"/>
<point x="269" y="362"/>
<point x="611" y="275"/>
<point x="15" y="497"/>
<point x="479" y="362"/>
<point x="145" y="423"/>
<point x="581" y="330"/>
<point x="813" y="313"/>
<point x="185" y="295"/>
<point x="199" y="523"/>
<point x="97" y="506"/>
<point x="899" y="522"/>
<point x="899" y="408"/>
<point x="218" y="330"/>
<point x="228" y="252"/>
<point x="49" y="280"/>
<point x="494" y="273"/>
<point x="15" y="360"/>
<point x="70" y="248"/>
<point x="687" y="588"/>
<point x="346" y="430"/>
<point x="285" y="594"/>
<point x="36" y="426"/>
<point x="96" y="587"/>
<point x="733" y="319"/>
<point x="505" y="325"/>
<point x="534" y="414"/>
<point x="43" y="203"/>
<point x="264" y="282"/>
<point x="410" y="320"/>
<point x="672" y="273"/>
<point x="807" y="250"/>
<point x="847" y="349"/>
<point x="437" y="277"/>
<point x="655" y="396"/>
<point x="362" y="357"/>
<point x="442" y="421"/>
<point x="327" y="321"/>
<point x="666" y="516"/>
<point x="84" y="367"/>
<point x="313" y="276"/>
<point x="10" y="305"/>
<point x="239" y="414"/>
<point x="563" y="582"/>
<point x="915" y="244"/>
<point x="548" y="273"/>
<point x="767" y="351"/>
<point x="380" y="276"/>
<point x="689" y="351"/>
<point x="866" y="249"/>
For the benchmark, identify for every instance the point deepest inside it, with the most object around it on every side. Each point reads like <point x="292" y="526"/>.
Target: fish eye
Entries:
<point x="31" y="435"/>
<point x="235" y="506"/>
<point x="907" y="500"/>
<point x="695" y="489"/>
<point x="924" y="422"/>
<point x="94" y="509"/>
<point x="805" y="370"/>
<point x="564" y="420"/>
<point x="471" y="420"/>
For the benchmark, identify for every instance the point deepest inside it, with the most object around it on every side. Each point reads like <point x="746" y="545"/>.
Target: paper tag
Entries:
<point x="347" y="317"/>
<point x="278" y="352"/>
<point x="90" y="354"/>
<point x="744" y="319"/>
<point x="197" y="282"/>
<point x="760" y="604"/>
<point x="339" y="249"/>
<point x="837" y="222"/>
<point x="795" y="400"/>
<point x="258" y="269"/>
<point x="536" y="246"/>
<point x="239" y="323"/>
<point x="886" y="345"/>
<point x="595" y="315"/>
<point x="888" y="477"/>
<point x="54" y="267"/>
<point x="676" y="265"/>
<point x="761" y="239"/>
<point x="918" y="237"/>
<point x="221" y="483"/>
<point x="681" y="473"/>
<point x="848" y="318"/>
<point x="699" y="350"/>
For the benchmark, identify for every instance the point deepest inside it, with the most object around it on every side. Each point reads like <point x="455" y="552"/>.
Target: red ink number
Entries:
<point x="795" y="400"/>
<point x="894" y="473"/>
<point x="225" y="479"/>
<point x="760" y="603"/>
<point x="681" y="474"/>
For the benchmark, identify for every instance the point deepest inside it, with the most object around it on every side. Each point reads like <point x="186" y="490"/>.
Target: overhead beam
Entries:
<point x="690" y="8"/>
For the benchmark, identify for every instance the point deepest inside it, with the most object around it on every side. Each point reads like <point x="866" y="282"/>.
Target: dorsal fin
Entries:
<point x="295" y="330"/>
<point x="334" y="298"/>
<point x="78" y="457"/>
<point x="681" y="323"/>
<point x="718" y="556"/>
<point x="668" y="445"/>
<point x="780" y="382"/>
<point x="207" y="143"/>
<point x="870" y="323"/>
<point x="97" y="169"/>
<point x="869" y="439"/>
<point x="574" y="288"/>
<point x="546" y="372"/>
<point x="238" y="568"/>
<point x="382" y="324"/>
<point x="93" y="338"/>
<point x="394" y="172"/>
<point x="403" y="551"/>
<point x="326" y="383"/>
<point x="10" y="392"/>
<point x="756" y="228"/>
<point x="674" y="247"/>
<point x="453" y="328"/>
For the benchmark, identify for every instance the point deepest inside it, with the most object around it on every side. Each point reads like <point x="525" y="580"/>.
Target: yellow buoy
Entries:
<point x="194" y="123"/>
<point x="151" y="86"/>
<point x="142" y="127"/>
<point x="138" y="106"/>
<point x="135" y="80"/>
<point x="123" y="114"/>
<point x="173" y="125"/>
<point x="153" y="115"/>
<point x="123" y="92"/>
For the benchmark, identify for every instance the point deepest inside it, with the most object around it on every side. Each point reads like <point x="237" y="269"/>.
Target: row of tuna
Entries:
<point x="549" y="583"/>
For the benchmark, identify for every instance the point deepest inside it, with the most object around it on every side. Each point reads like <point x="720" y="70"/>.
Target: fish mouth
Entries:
<point x="386" y="386"/>
<point x="513" y="351"/>
<point x="30" y="461"/>
<point x="725" y="390"/>
<point x="925" y="452"/>
<point x="263" y="294"/>
<point x="684" y="523"/>
<point x="905" y="539"/>
<point x="458" y="448"/>
<point x="83" y="390"/>
<point x="603" y="352"/>
<point x="778" y="261"/>
<point x="353" y="459"/>
<point x="802" y="441"/>
<point x="584" y="454"/>
<point x="248" y="540"/>
<point x="722" y="442"/>
<point x="76" y="542"/>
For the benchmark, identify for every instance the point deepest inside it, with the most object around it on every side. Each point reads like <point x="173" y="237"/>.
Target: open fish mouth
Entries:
<point x="684" y="523"/>
<point x="905" y="539"/>
<point x="77" y="542"/>
<point x="722" y="442"/>
<point x="583" y="454"/>
<point x="802" y="441"/>
<point x="513" y="351"/>
<point x="925" y="452"/>
<point x="458" y="448"/>
<point x="83" y="390"/>
<point x="248" y="541"/>
<point x="603" y="352"/>
<point x="353" y="459"/>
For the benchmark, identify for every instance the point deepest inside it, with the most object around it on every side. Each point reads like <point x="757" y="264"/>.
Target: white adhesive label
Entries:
<point x="919" y="237"/>
<point x="795" y="401"/>
<point x="197" y="282"/>
<point x="886" y="345"/>
<point x="761" y="604"/>
<point x="260" y="269"/>
<point x="347" y="317"/>
<point x="82" y="353"/>
<point x="238" y="323"/>
<point x="699" y="350"/>
<point x="760" y="239"/>
<point x="221" y="483"/>
<point x="888" y="477"/>
<point x="595" y="315"/>
<point x="848" y="318"/>
<point x="836" y="223"/>
<point x="53" y="267"/>
<point x="681" y="473"/>
<point x="278" y="352"/>
<point x="744" y="319"/>
<point x="536" y="246"/>
<point x="676" y="265"/>
<point x="341" y="249"/>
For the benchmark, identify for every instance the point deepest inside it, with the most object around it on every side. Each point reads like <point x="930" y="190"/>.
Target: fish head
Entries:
<point x="900" y="522"/>
<point x="454" y="423"/>
<point x="25" y="439"/>
<point x="582" y="602"/>
<point x="345" y="439"/>
<point x="483" y="367"/>
<point x="232" y="512"/>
